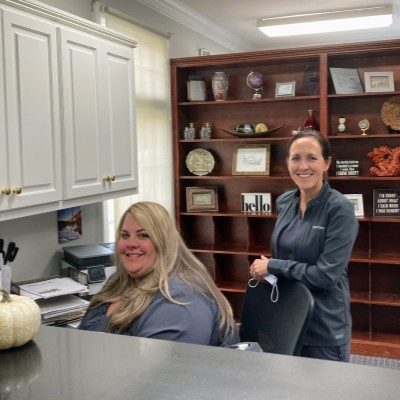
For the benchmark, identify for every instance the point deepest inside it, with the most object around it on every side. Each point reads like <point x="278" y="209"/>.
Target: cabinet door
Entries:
<point x="119" y="112"/>
<point x="32" y="98"/>
<point x="83" y="119"/>
<point x="3" y="150"/>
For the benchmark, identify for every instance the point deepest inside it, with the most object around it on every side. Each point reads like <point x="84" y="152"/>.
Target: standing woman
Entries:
<point x="312" y="242"/>
<point x="160" y="290"/>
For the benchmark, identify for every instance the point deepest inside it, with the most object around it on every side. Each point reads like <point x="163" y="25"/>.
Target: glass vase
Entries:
<point x="311" y="122"/>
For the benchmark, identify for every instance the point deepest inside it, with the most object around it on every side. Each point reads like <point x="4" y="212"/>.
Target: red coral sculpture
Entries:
<point x="386" y="160"/>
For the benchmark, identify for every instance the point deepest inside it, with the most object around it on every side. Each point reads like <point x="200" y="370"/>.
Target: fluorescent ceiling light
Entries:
<point x="331" y="21"/>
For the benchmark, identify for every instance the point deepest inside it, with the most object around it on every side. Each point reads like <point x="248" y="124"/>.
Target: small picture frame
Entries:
<point x="285" y="89"/>
<point x="251" y="159"/>
<point x="358" y="203"/>
<point x="201" y="198"/>
<point x="379" y="81"/>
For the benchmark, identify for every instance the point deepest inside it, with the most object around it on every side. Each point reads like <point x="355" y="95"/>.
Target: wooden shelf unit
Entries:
<point x="228" y="241"/>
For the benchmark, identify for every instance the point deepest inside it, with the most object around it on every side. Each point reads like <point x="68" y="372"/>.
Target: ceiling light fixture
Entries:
<point x="330" y="21"/>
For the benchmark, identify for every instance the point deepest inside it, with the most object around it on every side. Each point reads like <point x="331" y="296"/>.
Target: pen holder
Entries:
<point x="5" y="276"/>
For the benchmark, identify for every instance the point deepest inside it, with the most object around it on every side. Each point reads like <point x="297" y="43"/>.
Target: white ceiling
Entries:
<point x="232" y="23"/>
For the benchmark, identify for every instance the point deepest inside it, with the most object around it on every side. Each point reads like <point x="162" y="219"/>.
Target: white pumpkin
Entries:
<point x="19" y="320"/>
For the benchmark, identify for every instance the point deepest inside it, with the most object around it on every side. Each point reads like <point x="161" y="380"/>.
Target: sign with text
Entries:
<point x="386" y="203"/>
<point x="256" y="202"/>
<point x="347" y="168"/>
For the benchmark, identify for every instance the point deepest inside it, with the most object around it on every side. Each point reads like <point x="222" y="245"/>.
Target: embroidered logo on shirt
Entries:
<point x="317" y="227"/>
<point x="339" y="336"/>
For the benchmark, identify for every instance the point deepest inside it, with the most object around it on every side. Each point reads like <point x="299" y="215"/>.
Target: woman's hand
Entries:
<point x="259" y="268"/>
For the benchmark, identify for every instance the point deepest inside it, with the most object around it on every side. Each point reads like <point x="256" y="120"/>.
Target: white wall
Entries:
<point x="184" y="42"/>
<point x="37" y="236"/>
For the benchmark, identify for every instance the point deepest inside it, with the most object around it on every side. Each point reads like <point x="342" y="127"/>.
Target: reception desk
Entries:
<point x="63" y="364"/>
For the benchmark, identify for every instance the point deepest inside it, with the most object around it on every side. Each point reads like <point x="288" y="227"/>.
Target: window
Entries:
<point x="153" y="121"/>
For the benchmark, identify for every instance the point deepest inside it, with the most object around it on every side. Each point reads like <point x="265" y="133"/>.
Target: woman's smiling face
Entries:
<point x="307" y="165"/>
<point x="136" y="251"/>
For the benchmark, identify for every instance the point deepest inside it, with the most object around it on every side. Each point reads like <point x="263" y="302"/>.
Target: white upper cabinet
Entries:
<point x="32" y="129"/>
<point x="120" y="123"/>
<point x="67" y="125"/>
<point x="99" y="128"/>
<point x="83" y="116"/>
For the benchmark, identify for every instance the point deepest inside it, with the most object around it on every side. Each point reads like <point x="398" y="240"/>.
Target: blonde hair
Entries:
<point x="172" y="257"/>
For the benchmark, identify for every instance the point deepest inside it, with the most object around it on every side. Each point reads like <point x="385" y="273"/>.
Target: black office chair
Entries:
<point x="278" y="327"/>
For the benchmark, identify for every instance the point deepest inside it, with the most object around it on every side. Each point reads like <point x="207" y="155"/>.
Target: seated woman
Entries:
<point x="160" y="289"/>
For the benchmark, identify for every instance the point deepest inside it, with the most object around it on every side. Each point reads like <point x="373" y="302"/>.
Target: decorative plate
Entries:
<point x="390" y="113"/>
<point x="200" y="162"/>
<point x="253" y="134"/>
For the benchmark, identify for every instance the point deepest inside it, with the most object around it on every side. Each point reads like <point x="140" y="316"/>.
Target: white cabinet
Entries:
<point x="98" y="122"/>
<point x="67" y="126"/>
<point x="30" y="133"/>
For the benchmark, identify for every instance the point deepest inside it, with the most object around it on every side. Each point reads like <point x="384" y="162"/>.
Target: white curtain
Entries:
<point x="153" y="111"/>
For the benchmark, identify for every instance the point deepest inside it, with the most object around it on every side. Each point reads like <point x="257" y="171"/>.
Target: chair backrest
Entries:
<point x="278" y="327"/>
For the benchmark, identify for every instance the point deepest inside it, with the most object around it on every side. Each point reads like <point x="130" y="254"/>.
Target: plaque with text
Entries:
<point x="347" y="168"/>
<point x="386" y="203"/>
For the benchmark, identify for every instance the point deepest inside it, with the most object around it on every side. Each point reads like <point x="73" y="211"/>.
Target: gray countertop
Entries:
<point x="70" y="364"/>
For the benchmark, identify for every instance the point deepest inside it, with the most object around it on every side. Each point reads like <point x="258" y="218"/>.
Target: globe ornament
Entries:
<point x="255" y="81"/>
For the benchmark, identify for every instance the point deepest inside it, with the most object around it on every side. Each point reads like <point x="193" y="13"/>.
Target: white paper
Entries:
<point x="53" y="287"/>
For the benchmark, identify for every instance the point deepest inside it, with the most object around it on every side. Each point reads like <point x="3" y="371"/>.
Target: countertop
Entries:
<point x="62" y="363"/>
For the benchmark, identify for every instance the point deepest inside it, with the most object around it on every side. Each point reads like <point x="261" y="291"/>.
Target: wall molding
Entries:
<point x="188" y="17"/>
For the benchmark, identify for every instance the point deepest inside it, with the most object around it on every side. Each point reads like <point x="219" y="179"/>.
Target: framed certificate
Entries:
<point x="346" y="80"/>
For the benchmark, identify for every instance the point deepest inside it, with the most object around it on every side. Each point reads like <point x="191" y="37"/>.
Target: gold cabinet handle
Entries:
<point x="16" y="190"/>
<point x="112" y="178"/>
<point x="106" y="179"/>
<point x="6" y="191"/>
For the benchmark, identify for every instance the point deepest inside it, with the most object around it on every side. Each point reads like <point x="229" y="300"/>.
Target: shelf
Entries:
<point x="361" y="95"/>
<point x="359" y="297"/>
<point x="233" y="287"/>
<point x="385" y="258"/>
<point x="238" y="139"/>
<point x="248" y="101"/>
<point x="234" y="177"/>
<point x="379" y="345"/>
<point x="235" y="214"/>
<point x="385" y="299"/>
<point x="228" y="249"/>
<point x="358" y="136"/>
<point x="364" y="178"/>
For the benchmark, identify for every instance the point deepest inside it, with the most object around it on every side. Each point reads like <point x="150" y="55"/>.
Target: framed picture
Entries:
<point x="284" y="89"/>
<point x="251" y="159"/>
<point x="379" y="81"/>
<point x="346" y="80"/>
<point x="357" y="201"/>
<point x="201" y="198"/>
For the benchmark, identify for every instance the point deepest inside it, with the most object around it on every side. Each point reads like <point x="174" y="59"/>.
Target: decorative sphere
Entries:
<point x="245" y="128"/>
<point x="255" y="80"/>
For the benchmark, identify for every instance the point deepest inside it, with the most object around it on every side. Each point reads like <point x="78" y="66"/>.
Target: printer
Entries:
<point x="89" y="264"/>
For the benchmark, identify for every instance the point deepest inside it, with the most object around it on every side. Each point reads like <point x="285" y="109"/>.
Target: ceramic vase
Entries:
<point x="220" y="85"/>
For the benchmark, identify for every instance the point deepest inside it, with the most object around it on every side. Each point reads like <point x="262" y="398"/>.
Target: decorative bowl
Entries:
<point x="252" y="134"/>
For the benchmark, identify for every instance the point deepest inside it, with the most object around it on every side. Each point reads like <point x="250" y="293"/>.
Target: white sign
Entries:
<point x="256" y="202"/>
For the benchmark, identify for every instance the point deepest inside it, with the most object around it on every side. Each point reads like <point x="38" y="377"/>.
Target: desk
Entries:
<point x="70" y="364"/>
